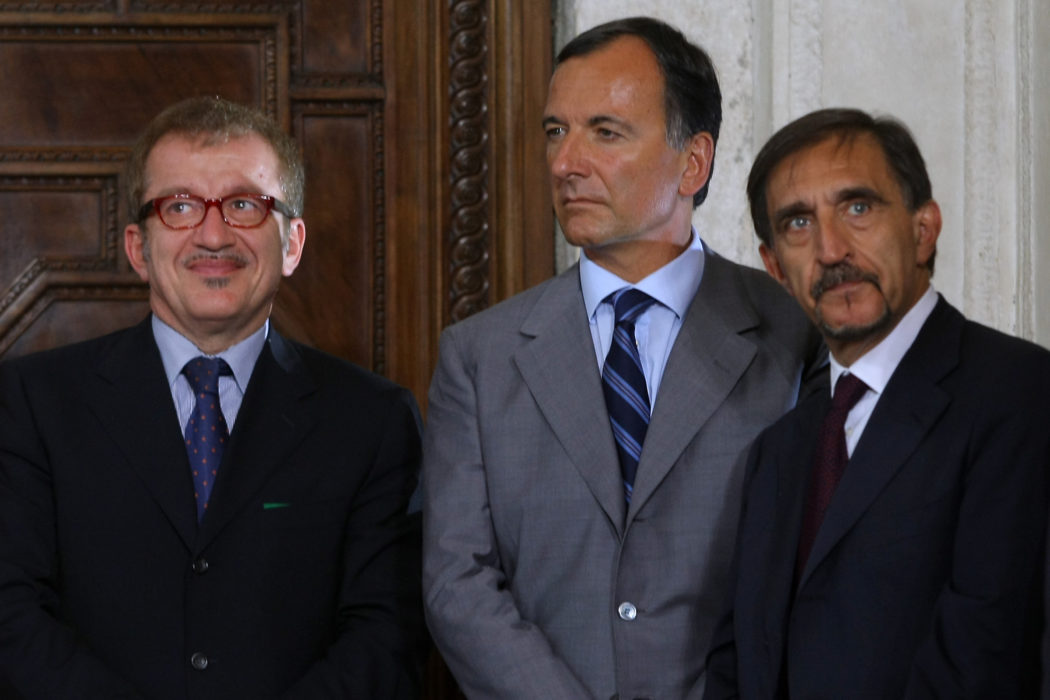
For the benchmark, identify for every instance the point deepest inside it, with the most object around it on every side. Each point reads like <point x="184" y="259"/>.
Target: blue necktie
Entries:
<point x="626" y="396"/>
<point x="206" y="431"/>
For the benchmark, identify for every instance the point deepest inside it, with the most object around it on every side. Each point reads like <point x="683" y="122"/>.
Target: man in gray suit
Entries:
<point x="573" y="550"/>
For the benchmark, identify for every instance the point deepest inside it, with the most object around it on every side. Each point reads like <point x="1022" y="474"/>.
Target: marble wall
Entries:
<point x="969" y="78"/>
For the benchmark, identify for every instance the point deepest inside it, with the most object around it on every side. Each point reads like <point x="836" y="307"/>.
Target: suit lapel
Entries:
<point x="707" y="360"/>
<point x="774" y="572"/>
<point x="133" y="401"/>
<point x="558" y="365"/>
<point x="272" y="421"/>
<point x="903" y="416"/>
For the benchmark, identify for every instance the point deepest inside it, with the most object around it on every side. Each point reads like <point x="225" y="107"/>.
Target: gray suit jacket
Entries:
<point x="531" y="554"/>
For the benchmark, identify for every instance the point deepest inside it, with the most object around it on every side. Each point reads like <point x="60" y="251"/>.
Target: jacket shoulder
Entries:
<point x="329" y="370"/>
<point x="75" y="356"/>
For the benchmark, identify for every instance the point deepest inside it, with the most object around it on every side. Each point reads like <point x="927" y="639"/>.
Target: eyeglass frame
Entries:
<point x="272" y="204"/>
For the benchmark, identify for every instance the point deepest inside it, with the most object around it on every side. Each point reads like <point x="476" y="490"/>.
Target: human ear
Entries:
<point x="700" y="153"/>
<point x="136" y="247"/>
<point x="293" y="247"/>
<point x="927" y="228"/>
<point x="769" y="259"/>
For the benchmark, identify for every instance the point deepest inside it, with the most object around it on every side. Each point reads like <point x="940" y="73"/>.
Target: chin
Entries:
<point x="852" y="332"/>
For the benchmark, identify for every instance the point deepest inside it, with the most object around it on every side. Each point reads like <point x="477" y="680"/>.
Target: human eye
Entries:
<point x="554" y="132"/>
<point x="607" y="134"/>
<point x="794" y="229"/>
<point x="243" y="203"/>
<point x="178" y="205"/>
<point x="858" y="207"/>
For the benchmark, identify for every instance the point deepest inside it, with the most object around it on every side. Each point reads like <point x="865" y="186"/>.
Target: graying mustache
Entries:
<point x="236" y="258"/>
<point x="837" y="275"/>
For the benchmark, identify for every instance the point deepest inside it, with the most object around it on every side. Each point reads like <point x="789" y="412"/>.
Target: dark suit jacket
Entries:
<point x="926" y="577"/>
<point x="302" y="578"/>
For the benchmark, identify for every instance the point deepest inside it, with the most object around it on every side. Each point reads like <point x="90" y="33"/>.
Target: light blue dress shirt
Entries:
<point x="674" y="285"/>
<point x="176" y="350"/>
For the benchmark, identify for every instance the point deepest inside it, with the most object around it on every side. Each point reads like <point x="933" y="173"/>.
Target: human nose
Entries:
<point x="568" y="157"/>
<point x="213" y="232"/>
<point x="832" y="241"/>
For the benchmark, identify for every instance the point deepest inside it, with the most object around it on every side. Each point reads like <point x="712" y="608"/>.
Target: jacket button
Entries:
<point x="199" y="661"/>
<point x="200" y="565"/>
<point x="627" y="611"/>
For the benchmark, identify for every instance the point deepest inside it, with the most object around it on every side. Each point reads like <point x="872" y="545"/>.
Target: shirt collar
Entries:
<point x="176" y="350"/>
<point x="876" y="366"/>
<point x="674" y="285"/>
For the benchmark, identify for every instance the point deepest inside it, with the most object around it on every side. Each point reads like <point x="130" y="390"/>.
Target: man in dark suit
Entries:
<point x="554" y="567"/>
<point x="892" y="545"/>
<point x="196" y="507"/>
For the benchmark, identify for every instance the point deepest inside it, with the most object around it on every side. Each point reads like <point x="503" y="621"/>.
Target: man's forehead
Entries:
<point x="618" y="73"/>
<point x="842" y="159"/>
<point x="179" y="158"/>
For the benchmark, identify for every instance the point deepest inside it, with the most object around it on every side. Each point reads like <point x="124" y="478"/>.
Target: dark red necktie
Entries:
<point x="829" y="462"/>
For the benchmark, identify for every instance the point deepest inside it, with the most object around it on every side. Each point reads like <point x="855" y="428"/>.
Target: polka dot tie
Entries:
<point x="206" y="431"/>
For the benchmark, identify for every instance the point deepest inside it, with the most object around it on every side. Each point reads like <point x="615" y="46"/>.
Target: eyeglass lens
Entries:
<point x="189" y="211"/>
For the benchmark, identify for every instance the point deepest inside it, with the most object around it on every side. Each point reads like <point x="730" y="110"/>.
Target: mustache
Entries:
<point x="231" y="256"/>
<point x="838" y="274"/>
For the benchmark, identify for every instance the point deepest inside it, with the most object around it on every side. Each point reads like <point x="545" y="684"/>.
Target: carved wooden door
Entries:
<point x="419" y="123"/>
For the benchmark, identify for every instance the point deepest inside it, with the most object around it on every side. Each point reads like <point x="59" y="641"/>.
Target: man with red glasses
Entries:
<point x="196" y="507"/>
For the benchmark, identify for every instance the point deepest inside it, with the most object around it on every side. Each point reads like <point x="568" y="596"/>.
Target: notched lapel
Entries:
<point x="271" y="423"/>
<point x="134" y="403"/>
<point x="905" y="413"/>
<point x="558" y="366"/>
<point x="794" y="461"/>
<point x="708" y="358"/>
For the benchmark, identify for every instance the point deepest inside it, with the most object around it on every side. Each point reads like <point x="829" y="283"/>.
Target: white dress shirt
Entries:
<point x="876" y="366"/>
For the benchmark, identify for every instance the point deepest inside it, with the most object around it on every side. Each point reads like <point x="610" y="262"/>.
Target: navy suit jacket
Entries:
<point x="301" y="581"/>
<point x="926" y="576"/>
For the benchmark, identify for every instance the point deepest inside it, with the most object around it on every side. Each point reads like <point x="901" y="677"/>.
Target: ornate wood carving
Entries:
<point x="469" y="135"/>
<point x="49" y="277"/>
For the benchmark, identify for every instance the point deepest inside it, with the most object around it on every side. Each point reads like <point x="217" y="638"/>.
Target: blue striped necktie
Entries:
<point x="206" y="431"/>
<point x="626" y="396"/>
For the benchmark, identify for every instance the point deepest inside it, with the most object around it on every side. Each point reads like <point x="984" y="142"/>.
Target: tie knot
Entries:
<point x="628" y="304"/>
<point x="848" y="390"/>
<point x="203" y="373"/>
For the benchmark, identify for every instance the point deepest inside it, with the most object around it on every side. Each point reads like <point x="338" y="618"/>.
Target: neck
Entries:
<point x="633" y="261"/>
<point x="212" y="339"/>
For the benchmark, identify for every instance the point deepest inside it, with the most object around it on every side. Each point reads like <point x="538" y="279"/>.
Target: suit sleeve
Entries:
<point x="983" y="642"/>
<point x="39" y="656"/>
<point x="382" y="637"/>
<point x="490" y="648"/>
<point x="720" y="680"/>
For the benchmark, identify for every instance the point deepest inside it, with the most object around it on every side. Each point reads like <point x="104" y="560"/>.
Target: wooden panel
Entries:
<point x="55" y="221"/>
<point x="72" y="84"/>
<point x="334" y="300"/>
<point x="64" y="314"/>
<point x="94" y="112"/>
<point x="60" y="239"/>
<point x="340" y="38"/>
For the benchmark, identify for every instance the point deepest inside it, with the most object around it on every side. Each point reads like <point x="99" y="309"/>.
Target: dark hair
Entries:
<point x="217" y="120"/>
<point x="692" y="99"/>
<point x="897" y="143"/>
